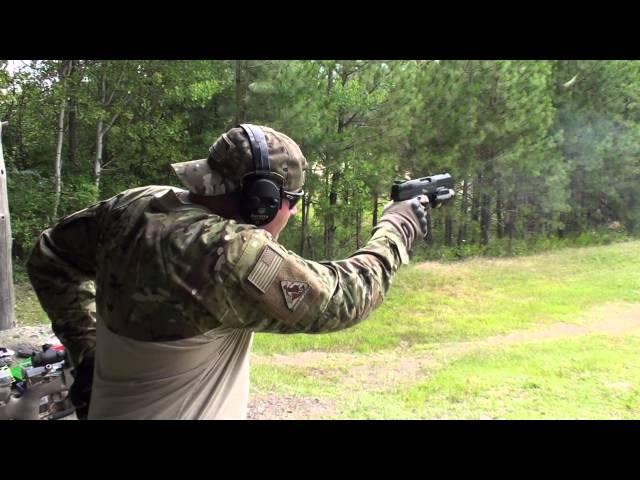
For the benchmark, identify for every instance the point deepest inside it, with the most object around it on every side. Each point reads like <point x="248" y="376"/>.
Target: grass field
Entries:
<point x="547" y="336"/>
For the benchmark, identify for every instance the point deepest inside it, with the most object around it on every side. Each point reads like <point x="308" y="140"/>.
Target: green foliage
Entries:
<point x="30" y="204"/>
<point x="547" y="151"/>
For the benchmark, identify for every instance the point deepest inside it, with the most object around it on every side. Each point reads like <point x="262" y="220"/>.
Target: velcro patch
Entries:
<point x="293" y="292"/>
<point x="266" y="269"/>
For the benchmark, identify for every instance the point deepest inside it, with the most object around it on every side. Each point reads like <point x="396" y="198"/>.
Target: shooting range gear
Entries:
<point x="30" y="392"/>
<point x="261" y="191"/>
<point x="18" y="367"/>
<point x="49" y="354"/>
<point x="293" y="198"/>
<point x="6" y="352"/>
<point x="6" y="356"/>
<point x="408" y="217"/>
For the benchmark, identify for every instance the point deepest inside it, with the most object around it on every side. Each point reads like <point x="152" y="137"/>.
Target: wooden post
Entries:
<point x="7" y="295"/>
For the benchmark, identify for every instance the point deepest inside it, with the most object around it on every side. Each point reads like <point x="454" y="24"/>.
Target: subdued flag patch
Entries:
<point x="294" y="292"/>
<point x="266" y="269"/>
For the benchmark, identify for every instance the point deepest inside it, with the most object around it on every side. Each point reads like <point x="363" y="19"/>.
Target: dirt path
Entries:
<point x="384" y="370"/>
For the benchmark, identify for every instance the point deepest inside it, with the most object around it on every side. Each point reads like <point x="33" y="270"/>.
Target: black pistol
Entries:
<point x="439" y="189"/>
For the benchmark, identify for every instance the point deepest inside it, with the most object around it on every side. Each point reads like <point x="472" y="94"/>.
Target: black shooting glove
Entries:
<point x="409" y="217"/>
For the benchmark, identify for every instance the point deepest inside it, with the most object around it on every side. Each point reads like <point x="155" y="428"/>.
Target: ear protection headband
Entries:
<point x="262" y="189"/>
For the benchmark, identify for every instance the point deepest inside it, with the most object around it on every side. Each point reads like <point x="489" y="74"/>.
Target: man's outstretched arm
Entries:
<point x="245" y="279"/>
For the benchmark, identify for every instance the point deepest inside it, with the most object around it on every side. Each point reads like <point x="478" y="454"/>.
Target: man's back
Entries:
<point x="157" y="355"/>
<point x="159" y="350"/>
<point x="149" y="243"/>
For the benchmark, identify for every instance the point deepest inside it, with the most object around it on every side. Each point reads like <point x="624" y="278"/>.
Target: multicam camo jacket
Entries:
<point x="154" y="267"/>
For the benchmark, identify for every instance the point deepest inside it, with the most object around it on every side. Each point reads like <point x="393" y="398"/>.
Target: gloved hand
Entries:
<point x="80" y="391"/>
<point x="409" y="217"/>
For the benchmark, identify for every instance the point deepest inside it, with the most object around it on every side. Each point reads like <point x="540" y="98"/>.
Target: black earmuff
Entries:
<point x="261" y="195"/>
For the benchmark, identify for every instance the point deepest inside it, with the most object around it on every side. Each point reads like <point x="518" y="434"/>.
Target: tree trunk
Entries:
<point x="331" y="220"/>
<point x="429" y="237"/>
<point x="106" y="100"/>
<point x="511" y="218"/>
<point x="64" y="73"/>
<point x="475" y="199"/>
<point x="358" y="227"/>
<point x="310" y="245"/>
<point x="448" y="230"/>
<point x="7" y="294"/>
<point x="303" y="229"/>
<point x="20" y="157"/>
<point x="58" y="163"/>
<point x="73" y="132"/>
<point x="632" y="221"/>
<point x="375" y="209"/>
<point x="462" y="229"/>
<point x="97" y="164"/>
<point x="485" y="218"/>
<point x="241" y="92"/>
<point x="73" y="121"/>
<point x="499" y="212"/>
<point x="325" y="236"/>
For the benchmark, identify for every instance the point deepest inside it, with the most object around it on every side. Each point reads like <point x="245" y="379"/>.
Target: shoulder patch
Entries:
<point x="293" y="292"/>
<point x="265" y="269"/>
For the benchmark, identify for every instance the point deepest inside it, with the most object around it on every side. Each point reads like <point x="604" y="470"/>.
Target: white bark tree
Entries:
<point x="7" y="294"/>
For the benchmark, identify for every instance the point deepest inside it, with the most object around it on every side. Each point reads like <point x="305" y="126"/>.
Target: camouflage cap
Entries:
<point x="230" y="158"/>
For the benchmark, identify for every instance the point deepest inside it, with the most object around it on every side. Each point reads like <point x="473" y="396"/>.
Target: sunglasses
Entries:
<point x="293" y="197"/>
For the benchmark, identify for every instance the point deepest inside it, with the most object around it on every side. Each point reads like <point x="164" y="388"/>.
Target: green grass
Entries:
<point x="447" y="302"/>
<point x="294" y="380"/>
<point x="592" y="377"/>
<point x="28" y="309"/>
<point x="586" y="377"/>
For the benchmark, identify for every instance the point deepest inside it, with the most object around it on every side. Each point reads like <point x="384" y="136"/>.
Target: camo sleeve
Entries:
<point x="254" y="283"/>
<point x="62" y="267"/>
